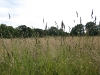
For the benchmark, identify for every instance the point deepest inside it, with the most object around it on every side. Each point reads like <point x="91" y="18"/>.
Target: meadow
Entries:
<point x="50" y="56"/>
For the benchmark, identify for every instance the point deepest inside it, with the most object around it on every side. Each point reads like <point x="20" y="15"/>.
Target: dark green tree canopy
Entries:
<point x="53" y="31"/>
<point x="89" y="25"/>
<point x="91" y="28"/>
<point x="78" y="30"/>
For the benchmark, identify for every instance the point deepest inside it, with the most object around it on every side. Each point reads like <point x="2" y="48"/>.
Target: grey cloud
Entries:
<point x="10" y="3"/>
<point x="12" y="12"/>
<point x="9" y="6"/>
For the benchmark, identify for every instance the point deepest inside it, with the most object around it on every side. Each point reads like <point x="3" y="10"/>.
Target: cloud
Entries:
<point x="10" y="3"/>
<point x="31" y="12"/>
<point x="10" y="6"/>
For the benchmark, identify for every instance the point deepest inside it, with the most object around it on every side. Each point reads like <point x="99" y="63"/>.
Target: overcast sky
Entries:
<point x="31" y="12"/>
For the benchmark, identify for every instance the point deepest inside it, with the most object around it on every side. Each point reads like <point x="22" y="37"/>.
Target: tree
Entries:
<point x="38" y="32"/>
<point x="62" y="33"/>
<point x="11" y="31"/>
<point x="53" y="31"/>
<point x="78" y="30"/>
<point x="90" y="28"/>
<point x="29" y="32"/>
<point x="3" y="30"/>
<point x="73" y="31"/>
<point x="7" y="31"/>
<point x="24" y="31"/>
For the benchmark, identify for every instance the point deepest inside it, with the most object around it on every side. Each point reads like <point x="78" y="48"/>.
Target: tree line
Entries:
<point x="90" y="29"/>
<point x="25" y="32"/>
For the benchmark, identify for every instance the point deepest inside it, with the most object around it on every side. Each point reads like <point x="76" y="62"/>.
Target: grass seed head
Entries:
<point x="43" y="19"/>
<point x="56" y="24"/>
<point x="92" y="14"/>
<point x="46" y="27"/>
<point x="95" y="19"/>
<point x="9" y="16"/>
<point x="80" y="20"/>
<point x="62" y="25"/>
<point x="74" y="21"/>
<point x="77" y="13"/>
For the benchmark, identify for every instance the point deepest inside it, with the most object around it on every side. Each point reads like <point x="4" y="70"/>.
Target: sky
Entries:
<point x="32" y="12"/>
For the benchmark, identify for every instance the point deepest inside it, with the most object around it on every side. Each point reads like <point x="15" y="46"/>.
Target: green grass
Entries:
<point x="50" y="56"/>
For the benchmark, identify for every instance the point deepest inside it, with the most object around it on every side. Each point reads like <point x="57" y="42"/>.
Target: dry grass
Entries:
<point x="72" y="52"/>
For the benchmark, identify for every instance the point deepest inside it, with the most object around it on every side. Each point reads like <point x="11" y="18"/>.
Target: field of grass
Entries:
<point x="50" y="56"/>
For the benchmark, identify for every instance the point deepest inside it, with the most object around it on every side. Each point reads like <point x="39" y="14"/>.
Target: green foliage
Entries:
<point x="92" y="29"/>
<point x="38" y="32"/>
<point x="78" y="30"/>
<point x="7" y="31"/>
<point x="53" y="31"/>
<point x="25" y="32"/>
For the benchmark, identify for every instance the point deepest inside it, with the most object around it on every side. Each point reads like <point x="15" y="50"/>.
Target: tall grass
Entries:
<point x="46" y="56"/>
